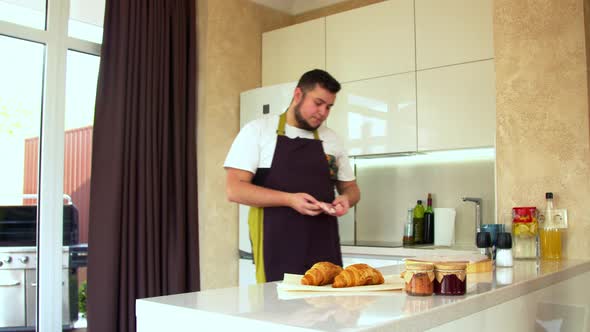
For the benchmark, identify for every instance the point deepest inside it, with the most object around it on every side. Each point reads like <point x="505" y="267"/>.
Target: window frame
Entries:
<point x="57" y="42"/>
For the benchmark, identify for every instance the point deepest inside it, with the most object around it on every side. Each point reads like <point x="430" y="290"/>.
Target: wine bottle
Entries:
<point x="429" y="222"/>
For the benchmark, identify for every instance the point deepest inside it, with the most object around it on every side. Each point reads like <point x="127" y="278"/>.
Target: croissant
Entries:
<point x="321" y="273"/>
<point x="358" y="275"/>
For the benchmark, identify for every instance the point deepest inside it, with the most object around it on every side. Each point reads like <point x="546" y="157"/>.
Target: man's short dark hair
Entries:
<point x="308" y="81"/>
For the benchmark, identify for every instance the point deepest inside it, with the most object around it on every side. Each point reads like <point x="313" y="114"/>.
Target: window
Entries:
<point x="49" y="59"/>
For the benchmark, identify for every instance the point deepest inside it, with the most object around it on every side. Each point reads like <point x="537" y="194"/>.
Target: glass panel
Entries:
<point x="81" y="80"/>
<point x="30" y="13"/>
<point x="86" y="20"/>
<point x="21" y="84"/>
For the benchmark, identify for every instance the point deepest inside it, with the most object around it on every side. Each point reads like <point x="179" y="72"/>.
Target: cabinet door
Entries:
<point x="453" y="31"/>
<point x="377" y="115"/>
<point x="371" y="41"/>
<point x="457" y="106"/>
<point x="289" y="52"/>
<point x="12" y="298"/>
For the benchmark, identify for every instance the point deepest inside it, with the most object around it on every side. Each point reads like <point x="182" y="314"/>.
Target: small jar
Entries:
<point x="451" y="278"/>
<point x="419" y="279"/>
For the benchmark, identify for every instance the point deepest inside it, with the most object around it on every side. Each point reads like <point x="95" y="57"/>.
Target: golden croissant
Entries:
<point x="358" y="275"/>
<point x="321" y="273"/>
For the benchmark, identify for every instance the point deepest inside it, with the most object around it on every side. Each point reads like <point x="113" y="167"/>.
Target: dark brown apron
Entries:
<point x="294" y="242"/>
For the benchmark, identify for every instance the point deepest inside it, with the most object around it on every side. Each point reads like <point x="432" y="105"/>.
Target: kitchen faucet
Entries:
<point x="478" y="218"/>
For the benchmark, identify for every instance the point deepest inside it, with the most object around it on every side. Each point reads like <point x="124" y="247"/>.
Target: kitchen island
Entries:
<point x="531" y="296"/>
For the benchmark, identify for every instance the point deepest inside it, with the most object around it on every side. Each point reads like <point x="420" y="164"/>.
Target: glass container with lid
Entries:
<point x="419" y="278"/>
<point x="524" y="232"/>
<point x="450" y="278"/>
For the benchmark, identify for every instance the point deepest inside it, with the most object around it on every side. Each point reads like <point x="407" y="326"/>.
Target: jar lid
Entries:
<point x="484" y="240"/>
<point x="448" y="266"/>
<point x="419" y="267"/>
<point x="524" y="214"/>
<point x="504" y="241"/>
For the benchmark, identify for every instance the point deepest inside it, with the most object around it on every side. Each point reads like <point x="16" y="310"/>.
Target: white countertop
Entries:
<point x="262" y="308"/>
<point x="402" y="252"/>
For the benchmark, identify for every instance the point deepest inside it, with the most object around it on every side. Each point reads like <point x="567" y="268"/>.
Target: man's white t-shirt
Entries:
<point x="254" y="146"/>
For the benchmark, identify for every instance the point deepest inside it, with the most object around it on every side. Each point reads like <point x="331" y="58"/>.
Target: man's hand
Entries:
<point x="304" y="204"/>
<point x="337" y="208"/>
<point x="341" y="205"/>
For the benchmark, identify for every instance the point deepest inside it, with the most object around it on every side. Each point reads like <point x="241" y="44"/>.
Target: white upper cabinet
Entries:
<point x="453" y="31"/>
<point x="289" y="52"/>
<point x="457" y="106"/>
<point x="371" y="41"/>
<point x="377" y="115"/>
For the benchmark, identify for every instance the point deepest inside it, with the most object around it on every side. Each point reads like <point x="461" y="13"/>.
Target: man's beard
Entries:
<point x="301" y="122"/>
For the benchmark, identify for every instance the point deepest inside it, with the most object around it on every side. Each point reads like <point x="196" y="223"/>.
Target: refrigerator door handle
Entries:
<point x="245" y="255"/>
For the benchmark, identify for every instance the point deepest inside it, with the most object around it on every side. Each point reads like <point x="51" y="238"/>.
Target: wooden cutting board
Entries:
<point x="292" y="282"/>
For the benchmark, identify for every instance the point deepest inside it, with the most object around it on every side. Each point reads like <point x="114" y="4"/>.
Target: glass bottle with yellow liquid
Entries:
<point x="552" y="226"/>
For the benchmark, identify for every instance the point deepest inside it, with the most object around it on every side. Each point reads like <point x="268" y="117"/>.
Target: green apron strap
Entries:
<point x="255" y="224"/>
<point x="283" y="121"/>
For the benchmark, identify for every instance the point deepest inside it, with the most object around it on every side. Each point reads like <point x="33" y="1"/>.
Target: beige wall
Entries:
<point x="230" y="44"/>
<point x="542" y="135"/>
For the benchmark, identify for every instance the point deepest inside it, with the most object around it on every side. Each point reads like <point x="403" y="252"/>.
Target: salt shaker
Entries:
<point x="504" y="249"/>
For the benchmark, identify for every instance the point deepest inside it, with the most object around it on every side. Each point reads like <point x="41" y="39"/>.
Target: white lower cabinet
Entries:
<point x="457" y="106"/>
<point x="377" y="116"/>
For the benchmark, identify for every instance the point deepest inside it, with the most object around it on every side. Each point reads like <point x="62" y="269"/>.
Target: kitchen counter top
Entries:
<point x="402" y="252"/>
<point x="262" y="308"/>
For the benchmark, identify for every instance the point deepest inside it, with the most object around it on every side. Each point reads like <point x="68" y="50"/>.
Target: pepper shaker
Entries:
<point x="484" y="243"/>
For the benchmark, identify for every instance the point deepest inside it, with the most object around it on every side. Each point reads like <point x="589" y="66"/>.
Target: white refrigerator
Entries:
<point x="254" y="104"/>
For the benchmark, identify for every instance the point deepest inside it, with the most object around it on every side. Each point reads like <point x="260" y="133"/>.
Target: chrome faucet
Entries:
<point x="478" y="217"/>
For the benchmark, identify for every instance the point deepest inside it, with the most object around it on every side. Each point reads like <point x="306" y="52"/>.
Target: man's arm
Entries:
<point x="240" y="189"/>
<point x="349" y="196"/>
<point x="350" y="190"/>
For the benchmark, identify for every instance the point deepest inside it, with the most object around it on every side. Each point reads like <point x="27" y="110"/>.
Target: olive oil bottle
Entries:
<point x="419" y="223"/>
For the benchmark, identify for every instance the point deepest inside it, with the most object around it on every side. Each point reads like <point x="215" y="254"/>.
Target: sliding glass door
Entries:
<point x="49" y="59"/>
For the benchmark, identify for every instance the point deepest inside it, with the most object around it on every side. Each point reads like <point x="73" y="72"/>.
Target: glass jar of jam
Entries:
<point x="451" y="278"/>
<point x="419" y="278"/>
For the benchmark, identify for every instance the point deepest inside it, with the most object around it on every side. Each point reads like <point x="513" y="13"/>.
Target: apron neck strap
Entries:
<point x="283" y="121"/>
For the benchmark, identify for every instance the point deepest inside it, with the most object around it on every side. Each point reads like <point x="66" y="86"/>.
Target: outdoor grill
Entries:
<point x="18" y="267"/>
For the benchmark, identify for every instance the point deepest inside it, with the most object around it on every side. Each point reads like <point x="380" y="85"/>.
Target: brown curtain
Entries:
<point x="143" y="233"/>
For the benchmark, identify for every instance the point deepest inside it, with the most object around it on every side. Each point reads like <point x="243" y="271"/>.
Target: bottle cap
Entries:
<point x="419" y="201"/>
<point x="548" y="195"/>
<point x="504" y="240"/>
<point x="484" y="240"/>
